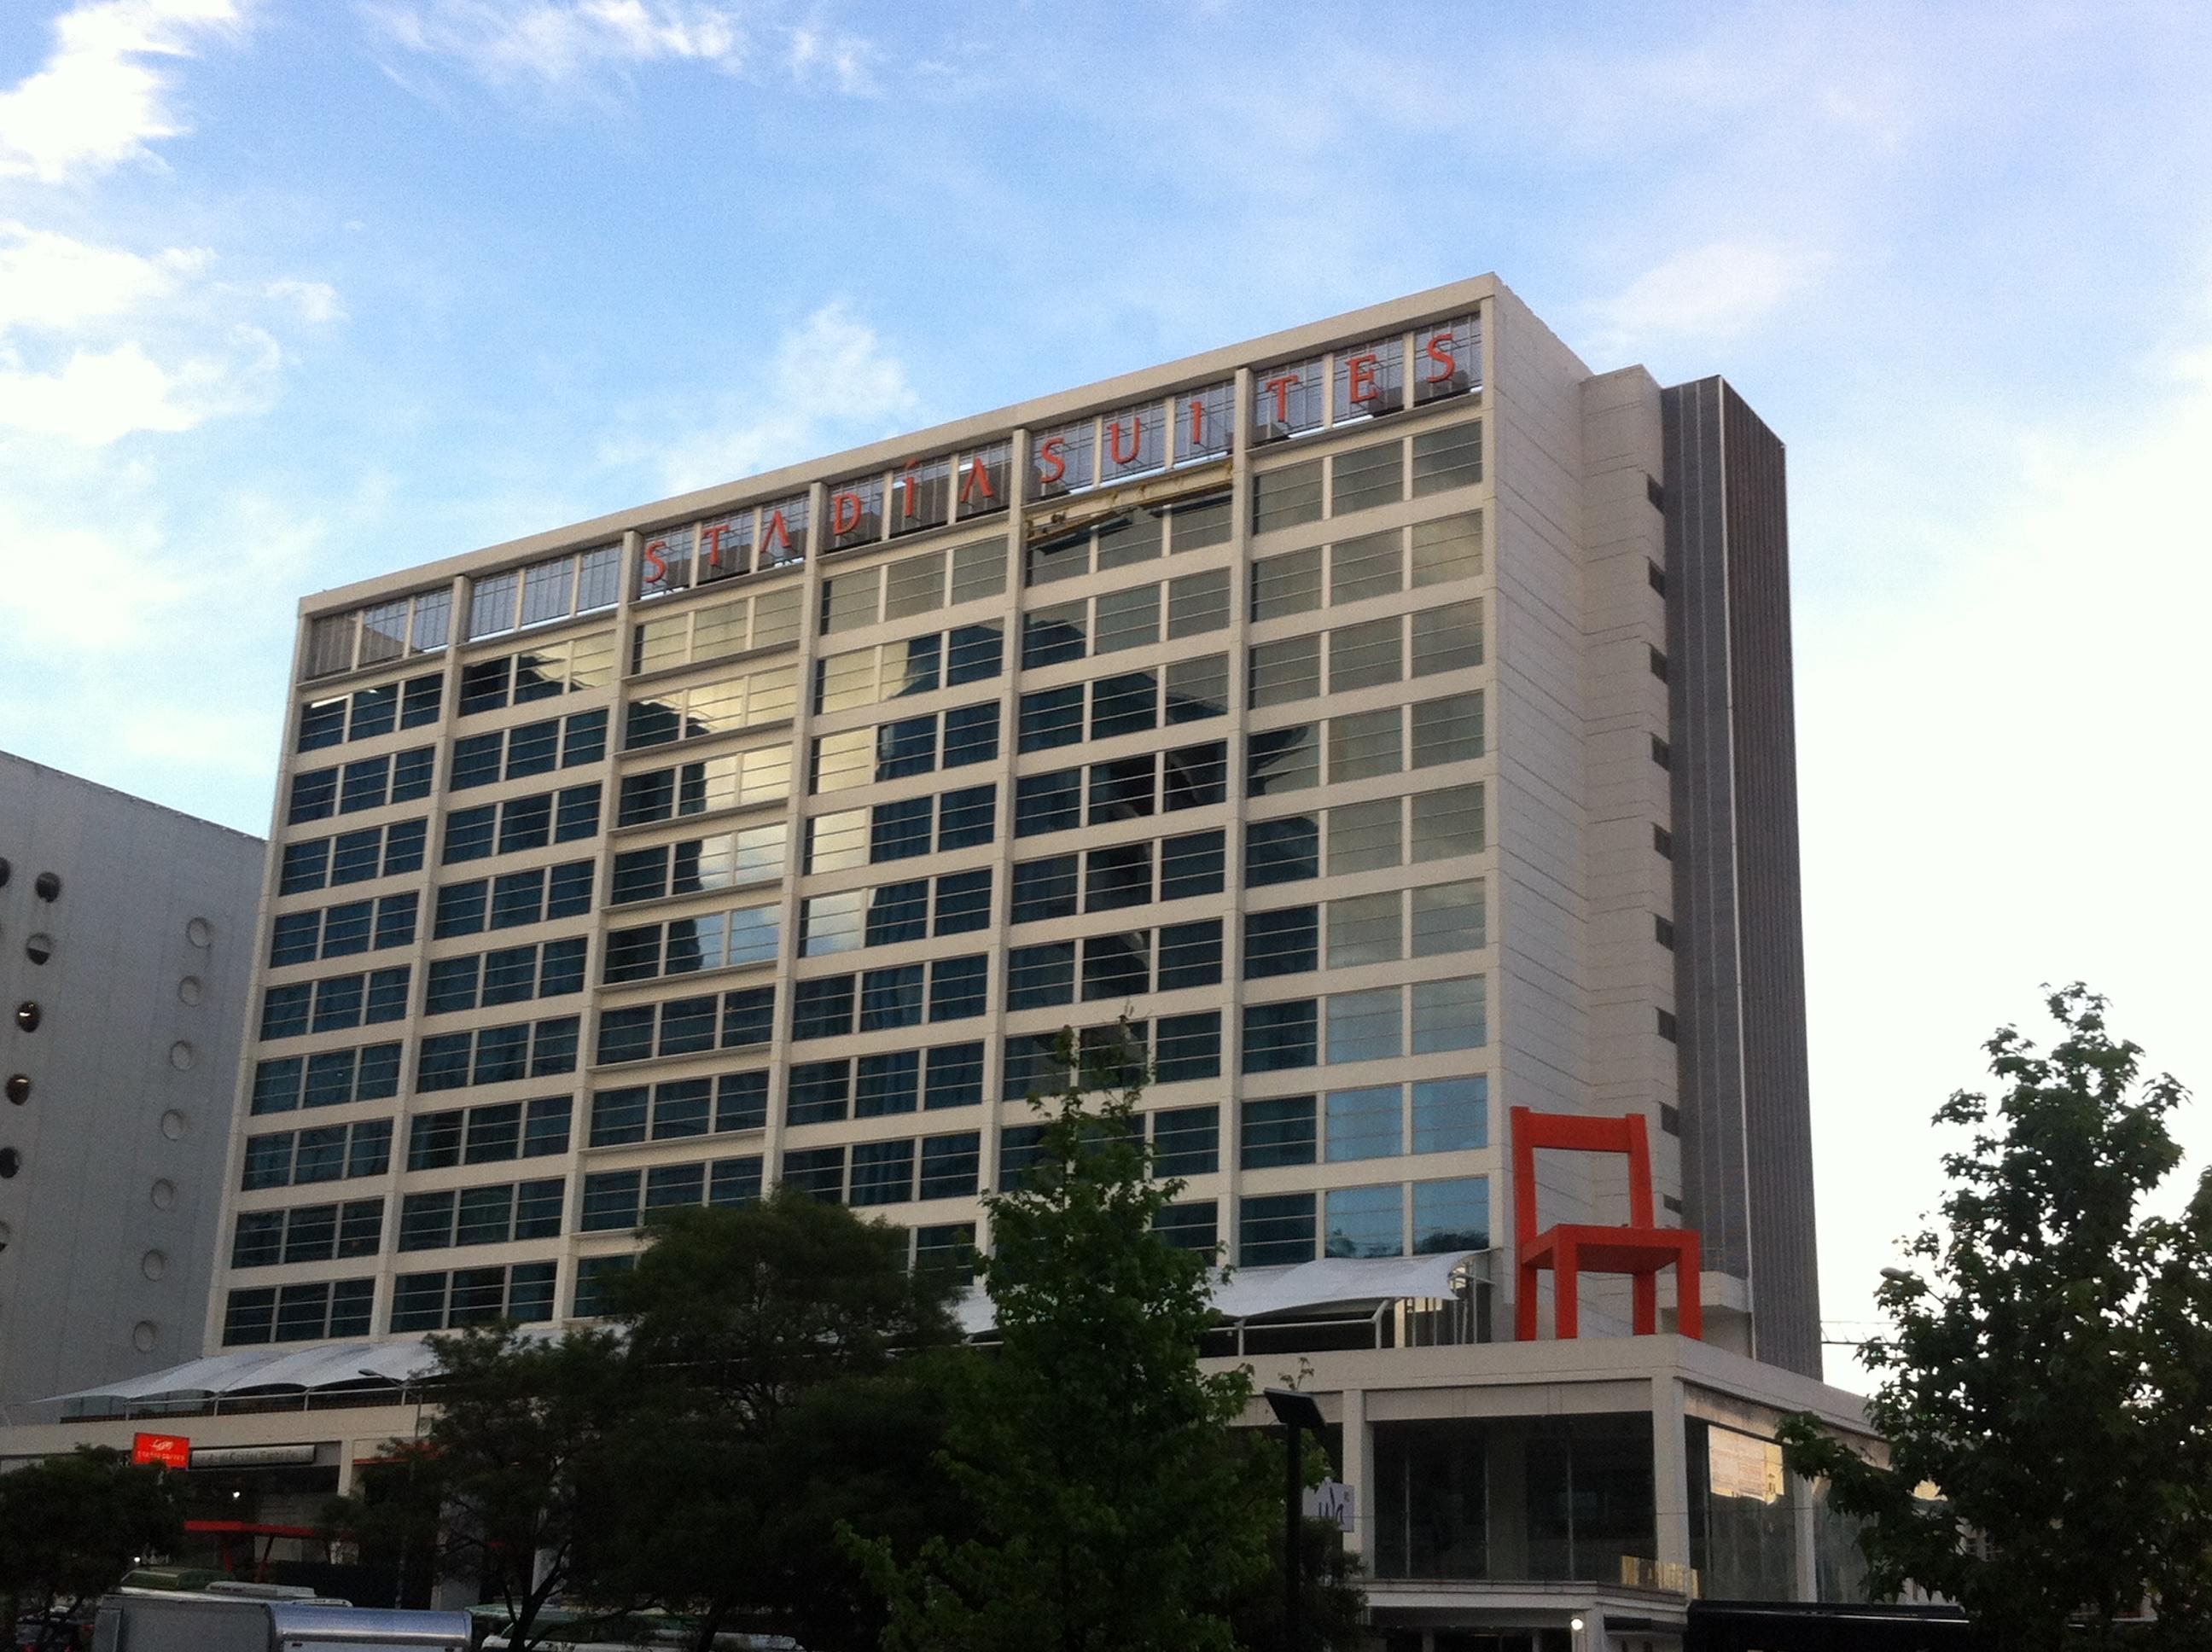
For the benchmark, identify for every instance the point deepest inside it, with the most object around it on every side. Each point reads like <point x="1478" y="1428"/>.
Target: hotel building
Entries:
<point x="1385" y="723"/>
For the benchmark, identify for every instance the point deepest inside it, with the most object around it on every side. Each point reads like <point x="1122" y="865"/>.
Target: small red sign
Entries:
<point x="169" y="1450"/>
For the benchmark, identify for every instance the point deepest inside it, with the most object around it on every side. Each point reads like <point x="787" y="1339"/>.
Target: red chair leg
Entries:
<point x="1524" y="1306"/>
<point x="1647" y="1305"/>
<point x="1566" y="1291"/>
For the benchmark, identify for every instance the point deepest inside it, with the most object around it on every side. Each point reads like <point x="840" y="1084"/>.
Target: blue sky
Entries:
<point x="293" y="292"/>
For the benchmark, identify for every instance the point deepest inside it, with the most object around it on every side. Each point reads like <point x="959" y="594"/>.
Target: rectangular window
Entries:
<point x="1198" y="603"/>
<point x="1364" y="1123"/>
<point x="1281" y="1037"/>
<point x="1363" y="477"/>
<point x="1365" y="1222"/>
<point x="1186" y="1048"/>
<point x="1286" y="496"/>
<point x="1448" y="918"/>
<point x="1448" y="730"/>
<point x="1128" y="704"/>
<point x="1447" y="638"/>
<point x="1282" y="850"/>
<point x="1450" y="1014"/>
<point x="1288" y="584"/>
<point x="1280" y="673"/>
<point x="1275" y="1230"/>
<point x="1451" y="1216"/>
<point x="1447" y="459"/>
<point x="1280" y="760"/>
<point x="1283" y="942"/>
<point x="1276" y="1132"/>
<point x="1191" y="865"/>
<point x="882" y="1172"/>
<point x="1365" y="1026"/>
<point x="1127" y="619"/>
<point x="1363" y="837"/>
<point x="819" y="1171"/>
<point x="1187" y="1141"/>
<point x="1367" y="655"/>
<point x="1364" y="929"/>
<point x="1447" y="549"/>
<point x="1451" y="1114"/>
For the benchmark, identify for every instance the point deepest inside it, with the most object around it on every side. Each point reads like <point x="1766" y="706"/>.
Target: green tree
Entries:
<point x="775" y="1350"/>
<point x="1116" y="1508"/>
<point x="2049" y="1366"/>
<point x="71" y="1526"/>
<point x="513" y="1453"/>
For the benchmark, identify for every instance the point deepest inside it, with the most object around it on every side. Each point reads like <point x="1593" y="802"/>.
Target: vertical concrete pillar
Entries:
<point x="1670" y="1472"/>
<point x="1807" y="1571"/>
<point x="1358" y="1474"/>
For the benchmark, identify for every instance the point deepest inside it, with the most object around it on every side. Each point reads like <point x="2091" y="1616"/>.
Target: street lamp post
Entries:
<point x="1295" y="1411"/>
<point x="407" y="1509"/>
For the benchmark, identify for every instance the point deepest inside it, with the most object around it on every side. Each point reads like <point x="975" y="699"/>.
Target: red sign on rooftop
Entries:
<point x="168" y="1450"/>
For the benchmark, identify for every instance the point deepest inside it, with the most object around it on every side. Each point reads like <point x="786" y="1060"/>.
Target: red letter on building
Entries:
<point x="1439" y="351"/>
<point x="1359" y="378"/>
<point x="656" y="565"/>
<point x="1053" y="449"/>
<point x="1113" y="440"/>
<point x="906" y="490"/>
<point x="1197" y="423"/>
<point x="977" y="484"/>
<point x="774" y="532"/>
<point x="712" y="538"/>
<point x="844" y="512"/>
<point x="1282" y="388"/>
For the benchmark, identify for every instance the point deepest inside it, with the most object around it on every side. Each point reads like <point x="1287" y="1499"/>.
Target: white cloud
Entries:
<point x="831" y="383"/>
<point x="316" y="301"/>
<point x="97" y="397"/>
<point x="569" y="44"/>
<point x="1719" y="290"/>
<point x="51" y="281"/>
<point x="97" y="100"/>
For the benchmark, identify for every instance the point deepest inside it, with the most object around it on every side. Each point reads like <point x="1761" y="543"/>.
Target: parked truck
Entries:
<point x="164" y="1622"/>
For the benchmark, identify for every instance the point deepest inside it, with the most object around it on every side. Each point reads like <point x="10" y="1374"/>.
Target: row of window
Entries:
<point x="891" y="1081"/>
<point x="327" y="1079"/>
<point x="899" y="831"/>
<point x="1129" y="702"/>
<point x="518" y="823"/>
<point x="1358" y="929"/>
<point x="952" y="903"/>
<point x="715" y="630"/>
<point x="570" y="666"/>
<point x="1174" y="1049"/>
<point x="491" y="1055"/>
<point x="336" y="1152"/>
<point x="307" y="1233"/>
<point x="489" y="1215"/>
<point x="1437" y="1115"/>
<point x="920" y="665"/>
<point x="366" y="713"/>
<point x="894" y="1172"/>
<point x="914" y="585"/>
<point x="949" y="1246"/>
<point x="1118" y="875"/>
<point x="512" y="899"/>
<point x="1419" y="1218"/>
<point x="297" y="1313"/>
<point x="472" y="1296"/>
<point x="706" y="785"/>
<point x="897" y="995"/>
<point x="1367" y="655"/>
<point x="1136" y="617"/>
<point x="513" y="754"/>
<point x="1426" y="1017"/>
<point x="908" y="745"/>
<point x="1123" y="788"/>
<point x="377" y="633"/>
<point x="1366" y="836"/>
<point x="1361" y="478"/>
<point x="366" y="783"/>
<point x="676" y="1109"/>
<point x="731" y="860"/>
<point x="341" y="930"/>
<point x="506" y="974"/>
<point x="1140" y="535"/>
<point x="579" y="582"/>
<point x="1120" y="966"/>
<point x="697" y="554"/>
<point x="620" y="1200"/>
<point x="352" y="857"/>
<point x="743" y="1019"/>
<point x="490" y="1134"/>
<point x="335" y="1003"/>
<point x="748" y="700"/>
<point x="703" y="940"/>
<point x="1436" y="552"/>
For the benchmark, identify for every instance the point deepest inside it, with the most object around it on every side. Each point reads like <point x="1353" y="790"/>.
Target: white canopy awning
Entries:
<point x="1252" y="1293"/>
<point x="329" y="1365"/>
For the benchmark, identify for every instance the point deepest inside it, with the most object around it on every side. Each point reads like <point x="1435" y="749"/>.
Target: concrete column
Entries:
<point x="1359" y="1473"/>
<point x="1807" y="1571"/>
<point x="1670" y="1474"/>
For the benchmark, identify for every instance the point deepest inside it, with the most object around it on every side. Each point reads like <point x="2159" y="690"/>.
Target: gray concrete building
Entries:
<point x="1384" y="724"/>
<point x="125" y="931"/>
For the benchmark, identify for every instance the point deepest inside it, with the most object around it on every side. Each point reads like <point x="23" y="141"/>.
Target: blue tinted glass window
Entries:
<point x="1451" y="1216"/>
<point x="955" y="1076"/>
<point x="1040" y="976"/>
<point x="1051" y="717"/>
<point x="957" y="986"/>
<point x="741" y="1100"/>
<point x="899" y="830"/>
<point x="967" y="817"/>
<point x="1278" y="1037"/>
<point x="822" y="1007"/>
<point x="1275" y="1230"/>
<point x="1364" y="1222"/>
<point x="1187" y="1047"/>
<point x="964" y="901"/>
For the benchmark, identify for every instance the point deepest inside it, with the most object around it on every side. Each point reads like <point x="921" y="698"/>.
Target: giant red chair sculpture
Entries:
<point x="1570" y="1249"/>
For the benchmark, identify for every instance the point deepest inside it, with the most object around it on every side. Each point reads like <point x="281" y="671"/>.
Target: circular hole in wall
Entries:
<point x="145" y="1336"/>
<point x="47" y="885"/>
<point x="173" y="1125"/>
<point x="10" y="1161"/>
<point x="163" y="1193"/>
<point x="188" y="990"/>
<point x="153" y="1264"/>
<point x="27" y="1016"/>
<point x="38" y="948"/>
<point x="19" y="1088"/>
<point x="180" y="1055"/>
<point x="199" y="932"/>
